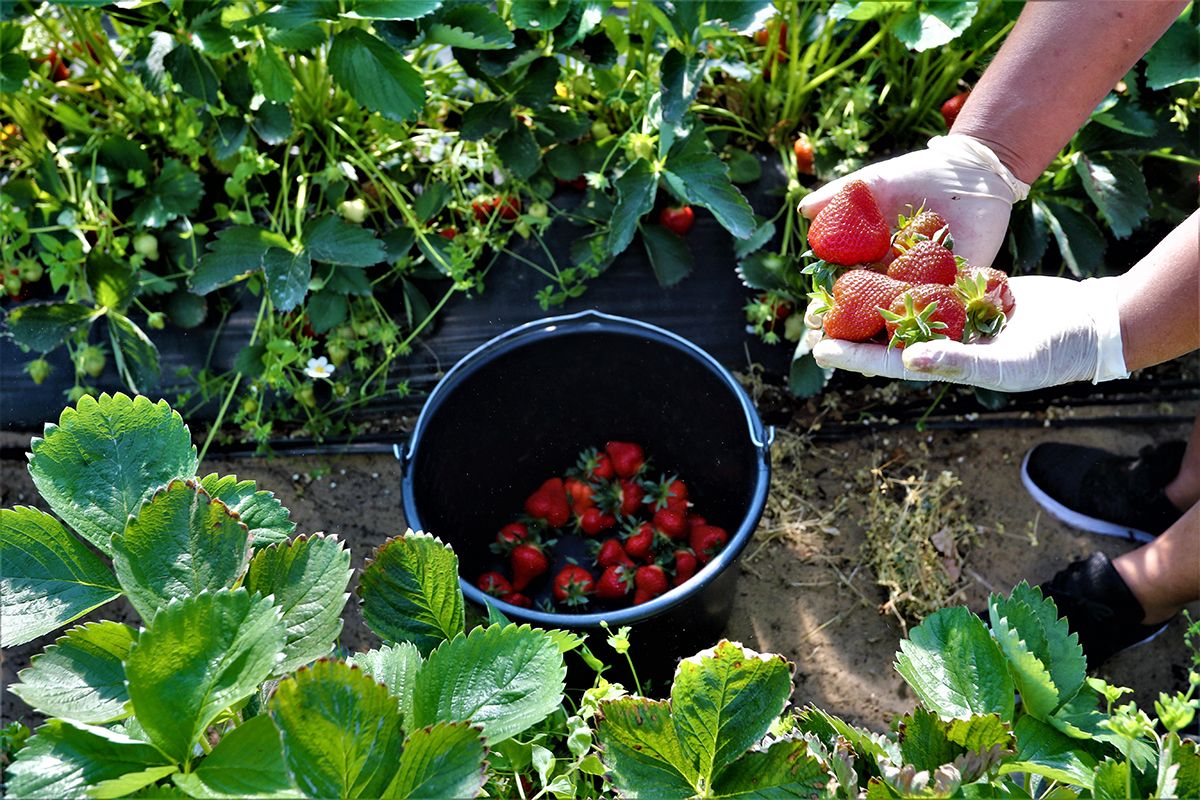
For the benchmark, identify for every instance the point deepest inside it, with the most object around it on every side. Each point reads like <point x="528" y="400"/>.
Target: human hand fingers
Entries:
<point x="868" y="359"/>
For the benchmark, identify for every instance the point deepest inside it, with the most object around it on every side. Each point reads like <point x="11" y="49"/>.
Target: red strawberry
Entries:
<point x="518" y="599"/>
<point x="988" y="300"/>
<point x="685" y="567"/>
<point x="528" y="562"/>
<point x="651" y="581"/>
<point x="615" y="582"/>
<point x="852" y="313"/>
<point x="707" y="541"/>
<point x="640" y="544"/>
<point x="627" y="458"/>
<point x="632" y="495"/>
<point x="850" y="229"/>
<point x="580" y="493"/>
<point x="612" y="554"/>
<point x="572" y="585"/>
<point x="924" y="313"/>
<point x="594" y="465"/>
<point x="951" y="107"/>
<point x="448" y="233"/>
<point x="677" y="220"/>
<point x="802" y="148"/>
<point x="549" y="503"/>
<point x="509" y="537"/>
<point x="510" y="207"/>
<point x="695" y="519"/>
<point x="594" y="521"/>
<point x="921" y="226"/>
<point x="483" y="209"/>
<point x="673" y="494"/>
<point x="925" y="262"/>
<point x="671" y="521"/>
<point x="494" y="583"/>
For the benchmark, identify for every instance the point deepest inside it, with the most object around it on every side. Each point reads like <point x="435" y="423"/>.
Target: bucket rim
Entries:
<point x="761" y="437"/>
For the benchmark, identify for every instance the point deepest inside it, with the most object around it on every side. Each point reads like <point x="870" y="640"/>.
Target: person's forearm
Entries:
<point x="1059" y="62"/>
<point x="1160" y="299"/>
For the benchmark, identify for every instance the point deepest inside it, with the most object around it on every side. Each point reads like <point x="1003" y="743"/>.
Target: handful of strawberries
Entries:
<point x="642" y="537"/>
<point x="902" y="286"/>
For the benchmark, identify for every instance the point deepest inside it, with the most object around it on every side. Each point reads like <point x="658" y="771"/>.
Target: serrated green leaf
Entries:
<point x="873" y="747"/>
<point x="519" y="151"/>
<point x="288" y="275"/>
<point x="484" y="119"/>
<point x="952" y="663"/>
<point x="636" y="189"/>
<point x="469" y="26"/>
<point x="536" y="89"/>
<point x="1113" y="780"/>
<point x="64" y="758"/>
<point x="44" y="326"/>
<point x="340" y="730"/>
<point x="228" y="136"/>
<point x="197" y="657"/>
<point x="14" y="68"/>
<point x="702" y="179"/>
<point x="332" y="240"/>
<point x="806" y="377"/>
<point x="308" y="578"/>
<point x="744" y="249"/>
<point x="925" y="25"/>
<point x="113" y="283"/>
<point x="669" y="254"/>
<point x="743" y="167"/>
<point x="681" y="78"/>
<point x="923" y="740"/>
<point x="1175" y="58"/>
<point x="235" y="252"/>
<point x="723" y="700"/>
<point x="1042" y="750"/>
<point x="782" y="770"/>
<point x="410" y="592"/>
<point x="81" y="676"/>
<point x="375" y="75"/>
<point x="639" y="747"/>
<point x="1079" y="239"/>
<point x="444" y="760"/>
<point x="105" y="457"/>
<point x="326" y="310"/>
<point x="273" y="76"/>
<point x="538" y="15"/>
<point x="247" y="762"/>
<point x="193" y="73"/>
<point x="135" y="354"/>
<point x="47" y="576"/>
<point x="504" y="679"/>
<point x="392" y="9"/>
<point x="175" y="192"/>
<point x="273" y="123"/>
<point x="259" y="510"/>
<point x="1029" y="236"/>
<point x="130" y="782"/>
<point x="1124" y="116"/>
<point x="1118" y="188"/>
<point x="180" y="542"/>
<point x="395" y="666"/>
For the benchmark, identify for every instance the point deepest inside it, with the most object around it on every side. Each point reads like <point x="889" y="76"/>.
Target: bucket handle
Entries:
<point x="768" y="439"/>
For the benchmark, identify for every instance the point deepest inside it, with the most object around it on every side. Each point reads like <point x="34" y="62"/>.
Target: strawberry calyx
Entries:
<point x="984" y="316"/>
<point x="913" y="326"/>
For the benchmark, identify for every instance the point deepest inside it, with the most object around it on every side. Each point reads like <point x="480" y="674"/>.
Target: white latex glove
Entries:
<point x="1060" y="331"/>
<point x="957" y="176"/>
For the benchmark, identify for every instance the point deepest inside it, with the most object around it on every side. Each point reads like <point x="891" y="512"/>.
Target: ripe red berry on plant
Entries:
<point x="677" y="220"/>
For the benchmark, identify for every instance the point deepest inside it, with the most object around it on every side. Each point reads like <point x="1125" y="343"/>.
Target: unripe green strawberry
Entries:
<point x="305" y="396"/>
<point x="76" y="393"/>
<point x="338" y="352"/>
<point x="353" y="210"/>
<point x="145" y="244"/>
<point x="92" y="360"/>
<point x="12" y="284"/>
<point x="157" y="320"/>
<point x="38" y="370"/>
<point x="30" y="270"/>
<point x="249" y="406"/>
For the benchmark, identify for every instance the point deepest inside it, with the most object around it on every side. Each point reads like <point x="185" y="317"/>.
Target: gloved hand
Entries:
<point x="1060" y="330"/>
<point x="957" y="177"/>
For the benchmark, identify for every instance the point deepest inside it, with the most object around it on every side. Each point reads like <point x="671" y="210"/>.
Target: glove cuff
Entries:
<point x="1103" y="306"/>
<point x="980" y="155"/>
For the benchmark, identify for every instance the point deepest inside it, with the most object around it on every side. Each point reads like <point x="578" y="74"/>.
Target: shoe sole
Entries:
<point x="1077" y="520"/>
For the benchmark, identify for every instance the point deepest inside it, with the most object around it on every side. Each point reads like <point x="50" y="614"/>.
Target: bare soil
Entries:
<point x="804" y="591"/>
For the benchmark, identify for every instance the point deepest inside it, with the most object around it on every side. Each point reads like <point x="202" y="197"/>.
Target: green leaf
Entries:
<point x="113" y="283"/>
<point x="928" y="24"/>
<point x="288" y="275"/>
<point x="806" y="377"/>
<point x="81" y="676"/>
<point x="228" y="137"/>
<point x="723" y="701"/>
<point x="538" y="15"/>
<point x="1042" y="750"/>
<point x="332" y="240"/>
<point x="260" y="511"/>
<point x="923" y="740"/>
<point x="136" y="355"/>
<point x="14" y="68"/>
<point x="873" y="747"/>
<point x="444" y="760"/>
<point x="504" y="679"/>
<point x="410" y="591"/>
<point x="1124" y="116"/>
<point x="247" y="762"/>
<point x="1175" y="58"/>
<point x="954" y="666"/>
<point x="670" y="256"/>
<point x="438" y="252"/>
<point x="47" y="576"/>
<point x="782" y="770"/>
<point x="1118" y="188"/>
<point x="536" y="89"/>
<point x="340" y="729"/>
<point x="681" y="78"/>
<point x="392" y="9"/>
<point x="639" y="747"/>
<point x="484" y="119"/>
<point x="197" y="657"/>
<point x="470" y="26"/>
<point x="519" y="151"/>
<point x="185" y="309"/>
<point x="273" y="123"/>
<point x="235" y="252"/>
<point x="702" y="179"/>
<point x="743" y="168"/>
<point x="1113" y="780"/>
<point x="635" y="197"/>
<point x="130" y="782"/>
<point x="1029" y="237"/>
<point x="193" y="73"/>
<point x="326" y="310"/>
<point x="44" y="326"/>
<point x="273" y="76"/>
<point x="64" y="758"/>
<point x="175" y="192"/>
<point x="1079" y="240"/>
<point x="105" y="457"/>
<point x="308" y="578"/>
<point x="375" y="75"/>
<point x="180" y="543"/>
<point x="395" y="666"/>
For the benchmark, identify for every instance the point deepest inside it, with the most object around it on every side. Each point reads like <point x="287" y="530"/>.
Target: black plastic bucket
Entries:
<point x="519" y="408"/>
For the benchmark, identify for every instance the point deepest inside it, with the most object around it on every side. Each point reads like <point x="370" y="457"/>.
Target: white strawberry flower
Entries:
<point x="319" y="368"/>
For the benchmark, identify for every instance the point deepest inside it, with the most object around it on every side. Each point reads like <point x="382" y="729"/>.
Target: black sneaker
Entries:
<point x="1099" y="607"/>
<point x="1104" y="493"/>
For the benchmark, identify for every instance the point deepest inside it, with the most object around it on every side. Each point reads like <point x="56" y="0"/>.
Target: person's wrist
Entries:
<point x="1102" y="303"/>
<point x="978" y="154"/>
<point x="1012" y="160"/>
